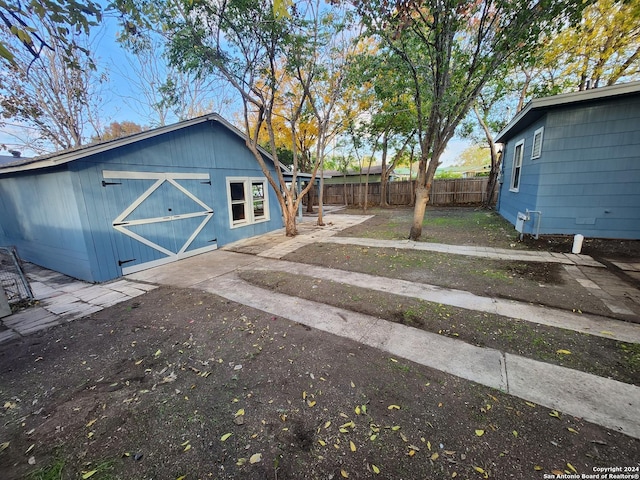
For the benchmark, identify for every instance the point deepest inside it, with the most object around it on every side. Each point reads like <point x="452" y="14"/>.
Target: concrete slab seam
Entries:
<point x="504" y="372"/>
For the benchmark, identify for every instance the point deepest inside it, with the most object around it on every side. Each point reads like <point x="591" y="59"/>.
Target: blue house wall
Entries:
<point x="587" y="178"/>
<point x="40" y="216"/>
<point x="62" y="217"/>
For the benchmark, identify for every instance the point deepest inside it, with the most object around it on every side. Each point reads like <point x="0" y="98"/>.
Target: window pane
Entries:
<point x="518" y="155"/>
<point x="257" y="190"/>
<point x="258" y="208"/>
<point x="238" y="211"/>
<point x="516" y="178"/>
<point x="237" y="191"/>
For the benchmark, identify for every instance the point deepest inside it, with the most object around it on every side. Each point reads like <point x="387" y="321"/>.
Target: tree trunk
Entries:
<point x="496" y="158"/>
<point x="311" y="198"/>
<point x="422" y="197"/>
<point x="491" y="188"/>
<point x="290" y="213"/>
<point x="320" y="221"/>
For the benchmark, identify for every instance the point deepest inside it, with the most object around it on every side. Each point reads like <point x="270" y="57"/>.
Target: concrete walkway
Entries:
<point x="603" y="401"/>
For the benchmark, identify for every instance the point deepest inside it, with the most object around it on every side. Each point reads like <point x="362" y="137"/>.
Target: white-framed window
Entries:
<point x="248" y="200"/>
<point x="517" y="166"/>
<point x="536" y="149"/>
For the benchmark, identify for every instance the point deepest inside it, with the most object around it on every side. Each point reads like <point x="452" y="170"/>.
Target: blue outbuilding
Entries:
<point x="117" y="207"/>
<point x="571" y="164"/>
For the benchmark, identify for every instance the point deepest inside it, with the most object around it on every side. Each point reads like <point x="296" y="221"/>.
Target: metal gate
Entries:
<point x="166" y="215"/>
<point x="12" y="278"/>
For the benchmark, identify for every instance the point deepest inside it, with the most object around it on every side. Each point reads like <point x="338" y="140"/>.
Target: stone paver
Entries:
<point x="63" y="299"/>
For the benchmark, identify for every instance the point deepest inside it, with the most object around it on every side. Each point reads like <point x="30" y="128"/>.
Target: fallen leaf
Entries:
<point x="322" y="442"/>
<point x="393" y="360"/>
<point x="557" y="472"/>
<point x="353" y="385"/>
<point x="224" y="437"/>
<point x="343" y="430"/>
<point x="435" y="456"/>
<point x="403" y="437"/>
<point x="241" y="462"/>
<point x="429" y="445"/>
<point x="375" y="469"/>
<point x="352" y="446"/>
<point x="344" y="474"/>
<point x="358" y="410"/>
<point x="606" y="332"/>
<point x="515" y="433"/>
<point x="411" y="453"/>
<point x="537" y="468"/>
<point x="572" y="430"/>
<point x="479" y="433"/>
<point x="187" y="448"/>
<point x="481" y="470"/>
<point x="454" y="474"/>
<point x="348" y="424"/>
<point x="157" y="354"/>
<point x="88" y="474"/>
<point x="364" y="409"/>
<point x="4" y="446"/>
<point x="304" y="395"/>
<point x="572" y="468"/>
<point x="395" y="428"/>
<point x="554" y="414"/>
<point x="30" y="448"/>
<point x="138" y="362"/>
<point x="255" y="458"/>
<point x="532" y="405"/>
<point x="91" y="422"/>
<point x="373" y="437"/>
<point x="240" y="412"/>
<point x="563" y="352"/>
<point x="394" y="407"/>
<point x="327" y="424"/>
<point x="182" y="477"/>
<point x="311" y="403"/>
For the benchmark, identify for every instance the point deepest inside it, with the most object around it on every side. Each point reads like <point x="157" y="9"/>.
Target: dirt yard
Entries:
<point x="181" y="384"/>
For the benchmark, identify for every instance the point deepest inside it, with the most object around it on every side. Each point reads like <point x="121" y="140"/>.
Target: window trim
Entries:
<point x="539" y="132"/>
<point x="248" y="201"/>
<point x="517" y="167"/>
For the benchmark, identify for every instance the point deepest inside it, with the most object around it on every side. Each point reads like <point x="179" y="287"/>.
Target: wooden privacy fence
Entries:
<point x="458" y="191"/>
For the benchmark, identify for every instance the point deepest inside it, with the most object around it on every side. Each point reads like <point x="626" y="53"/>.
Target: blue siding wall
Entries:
<point x="509" y="202"/>
<point x="204" y="148"/>
<point x="589" y="171"/>
<point x="40" y="217"/>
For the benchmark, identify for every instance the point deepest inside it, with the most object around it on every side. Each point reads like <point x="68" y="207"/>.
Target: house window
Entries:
<point x="248" y="201"/>
<point x="517" y="166"/>
<point x="536" y="150"/>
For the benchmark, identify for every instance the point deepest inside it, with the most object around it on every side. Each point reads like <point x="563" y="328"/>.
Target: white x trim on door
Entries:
<point x="121" y="224"/>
